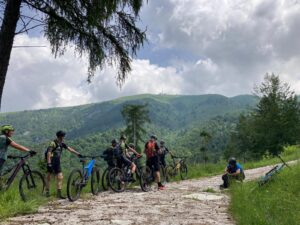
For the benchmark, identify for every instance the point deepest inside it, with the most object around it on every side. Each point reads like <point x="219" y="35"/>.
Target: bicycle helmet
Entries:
<point x="232" y="161"/>
<point x="6" y="128"/>
<point x="131" y="145"/>
<point x="60" y="133"/>
<point x="162" y="142"/>
<point x="123" y="137"/>
<point x="153" y="137"/>
<point x="114" y="141"/>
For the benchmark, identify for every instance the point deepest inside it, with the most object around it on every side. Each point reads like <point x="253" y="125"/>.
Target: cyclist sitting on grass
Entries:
<point x="233" y="171"/>
<point x="124" y="158"/>
<point x="7" y="132"/>
<point x="151" y="151"/>
<point x="53" y="155"/>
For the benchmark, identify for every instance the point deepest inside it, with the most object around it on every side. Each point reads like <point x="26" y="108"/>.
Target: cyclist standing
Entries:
<point x="124" y="157"/>
<point x="53" y="155"/>
<point x="151" y="151"/>
<point x="7" y="132"/>
<point x="163" y="150"/>
<point x="233" y="171"/>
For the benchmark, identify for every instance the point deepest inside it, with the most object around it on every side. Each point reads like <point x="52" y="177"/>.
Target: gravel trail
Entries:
<point x="185" y="202"/>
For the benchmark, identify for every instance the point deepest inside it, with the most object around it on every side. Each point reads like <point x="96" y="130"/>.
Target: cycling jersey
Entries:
<point x="123" y="147"/>
<point x="232" y="169"/>
<point x="56" y="149"/>
<point x="4" y="143"/>
<point x="151" y="149"/>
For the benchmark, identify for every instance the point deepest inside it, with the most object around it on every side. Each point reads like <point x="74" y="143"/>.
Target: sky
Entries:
<point x="194" y="47"/>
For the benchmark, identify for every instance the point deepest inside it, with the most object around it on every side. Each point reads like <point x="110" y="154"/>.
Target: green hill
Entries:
<point x="175" y="118"/>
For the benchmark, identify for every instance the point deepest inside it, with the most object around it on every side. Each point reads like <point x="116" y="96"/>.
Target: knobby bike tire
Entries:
<point x="74" y="185"/>
<point x="104" y="179"/>
<point x="95" y="181"/>
<point x="116" y="178"/>
<point x="169" y="171"/>
<point x="183" y="171"/>
<point x="146" y="179"/>
<point x="32" y="185"/>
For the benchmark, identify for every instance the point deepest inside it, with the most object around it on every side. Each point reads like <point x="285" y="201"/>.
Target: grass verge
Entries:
<point x="276" y="203"/>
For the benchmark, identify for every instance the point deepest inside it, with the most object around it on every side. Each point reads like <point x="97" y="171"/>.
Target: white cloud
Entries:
<point x="200" y="46"/>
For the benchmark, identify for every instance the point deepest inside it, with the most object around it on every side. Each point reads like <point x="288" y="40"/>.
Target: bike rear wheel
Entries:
<point x="74" y="185"/>
<point x="104" y="179"/>
<point x="117" y="179"/>
<point x="183" y="171"/>
<point x="32" y="185"/>
<point x="95" y="181"/>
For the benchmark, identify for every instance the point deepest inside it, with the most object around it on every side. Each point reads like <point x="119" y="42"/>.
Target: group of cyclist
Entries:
<point x="155" y="156"/>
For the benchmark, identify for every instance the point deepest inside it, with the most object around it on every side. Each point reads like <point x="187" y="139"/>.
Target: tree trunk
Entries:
<point x="7" y="34"/>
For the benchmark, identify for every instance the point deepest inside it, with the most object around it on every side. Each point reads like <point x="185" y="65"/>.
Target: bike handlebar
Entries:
<point x="284" y="163"/>
<point x="19" y="157"/>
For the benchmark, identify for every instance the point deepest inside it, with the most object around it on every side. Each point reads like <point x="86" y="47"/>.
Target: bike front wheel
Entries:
<point x="183" y="171"/>
<point x="74" y="185"/>
<point x="169" y="173"/>
<point x="32" y="185"/>
<point x="117" y="181"/>
<point x="146" y="179"/>
<point x="95" y="181"/>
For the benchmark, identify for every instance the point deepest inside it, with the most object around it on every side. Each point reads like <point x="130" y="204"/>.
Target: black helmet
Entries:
<point x="153" y="137"/>
<point x="114" y="141"/>
<point x="123" y="137"/>
<point x="232" y="161"/>
<point x="131" y="145"/>
<point x="162" y="142"/>
<point x="60" y="133"/>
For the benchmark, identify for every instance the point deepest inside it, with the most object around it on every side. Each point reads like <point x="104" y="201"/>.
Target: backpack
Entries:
<point x="150" y="150"/>
<point x="46" y="150"/>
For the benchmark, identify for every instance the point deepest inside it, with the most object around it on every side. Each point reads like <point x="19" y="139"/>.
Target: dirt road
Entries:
<point x="184" y="202"/>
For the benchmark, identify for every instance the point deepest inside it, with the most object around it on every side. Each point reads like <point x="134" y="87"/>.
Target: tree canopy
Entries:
<point x="273" y="124"/>
<point x="103" y="30"/>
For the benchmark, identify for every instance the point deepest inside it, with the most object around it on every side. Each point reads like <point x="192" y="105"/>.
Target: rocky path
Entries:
<point x="186" y="202"/>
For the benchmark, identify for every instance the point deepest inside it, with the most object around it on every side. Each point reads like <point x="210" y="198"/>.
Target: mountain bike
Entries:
<point x="32" y="183"/>
<point x="78" y="179"/>
<point x="276" y="169"/>
<point x="148" y="177"/>
<point x="120" y="178"/>
<point x="179" y="167"/>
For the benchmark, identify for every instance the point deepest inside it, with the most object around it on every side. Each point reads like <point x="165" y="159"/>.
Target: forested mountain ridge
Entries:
<point x="170" y="112"/>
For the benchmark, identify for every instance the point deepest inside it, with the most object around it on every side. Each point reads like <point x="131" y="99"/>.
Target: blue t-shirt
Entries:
<point x="234" y="169"/>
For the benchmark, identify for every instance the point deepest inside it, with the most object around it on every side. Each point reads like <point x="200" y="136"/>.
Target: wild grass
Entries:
<point x="276" y="203"/>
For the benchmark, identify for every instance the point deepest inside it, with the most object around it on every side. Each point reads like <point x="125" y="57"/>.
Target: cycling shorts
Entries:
<point x="153" y="162"/>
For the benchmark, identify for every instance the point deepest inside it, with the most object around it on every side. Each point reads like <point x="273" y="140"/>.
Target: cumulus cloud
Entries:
<point x="37" y="80"/>
<point x="195" y="47"/>
<point x="244" y="40"/>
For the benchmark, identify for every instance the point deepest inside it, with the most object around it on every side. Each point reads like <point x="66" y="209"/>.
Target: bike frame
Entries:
<point x="21" y="164"/>
<point x="88" y="169"/>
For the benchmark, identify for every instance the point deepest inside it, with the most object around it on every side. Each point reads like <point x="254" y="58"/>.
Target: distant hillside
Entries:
<point x="170" y="112"/>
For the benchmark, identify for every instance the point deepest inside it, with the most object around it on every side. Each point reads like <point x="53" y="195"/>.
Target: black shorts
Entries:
<point x="124" y="161"/>
<point x="153" y="162"/>
<point x="55" y="161"/>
